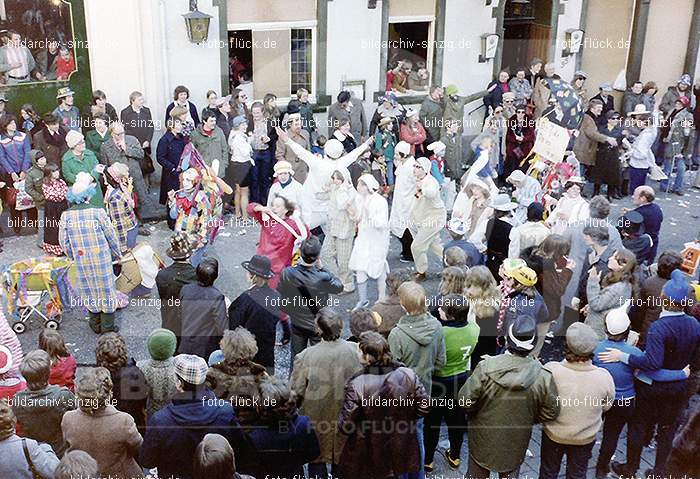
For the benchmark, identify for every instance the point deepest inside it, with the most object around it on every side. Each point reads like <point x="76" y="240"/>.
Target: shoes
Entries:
<point x="115" y="329"/>
<point x="143" y="231"/>
<point x="428" y="467"/>
<point x="360" y="305"/>
<point x="419" y="277"/>
<point x="679" y="193"/>
<point x="403" y="259"/>
<point x="602" y="472"/>
<point x="345" y="292"/>
<point x="452" y="462"/>
<point x="621" y="470"/>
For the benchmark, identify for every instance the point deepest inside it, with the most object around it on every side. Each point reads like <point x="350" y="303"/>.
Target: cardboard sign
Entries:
<point x="551" y="142"/>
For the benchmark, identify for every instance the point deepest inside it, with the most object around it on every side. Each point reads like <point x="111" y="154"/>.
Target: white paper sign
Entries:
<point x="551" y="142"/>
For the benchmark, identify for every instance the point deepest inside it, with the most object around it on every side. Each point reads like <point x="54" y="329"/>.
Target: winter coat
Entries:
<point x="89" y="239"/>
<point x="551" y="280"/>
<point x="320" y="390"/>
<point x="32" y="184"/>
<point x="53" y="146"/>
<point x="521" y="89"/>
<point x="371" y="451"/>
<point x="94" y="141"/>
<point x="602" y="299"/>
<point x="214" y="147"/>
<point x="109" y="436"/>
<point x="162" y="383"/>
<point x="168" y="153"/>
<point x="418" y="342"/>
<point x="586" y="145"/>
<point x="193" y="115"/>
<point x="39" y="414"/>
<point x="63" y="373"/>
<point x="391" y="311"/>
<point x="71" y="165"/>
<point x="307" y="117"/>
<point x="608" y="105"/>
<point x="413" y="136"/>
<point x="430" y="116"/>
<point x="203" y="310"/>
<point x="504" y="397"/>
<point x="454" y="111"/>
<point x="677" y="142"/>
<point x="170" y="281"/>
<point x="139" y="125"/>
<point x="14" y="465"/>
<point x="630" y="100"/>
<point x="304" y="290"/>
<point x="454" y="161"/>
<point x="336" y="113"/>
<point x="175" y="431"/>
<point x="130" y="392"/>
<point x="14" y="153"/>
<point x="649" y="307"/>
<point x="239" y="383"/>
<point x="668" y="101"/>
<point x="495" y="97"/>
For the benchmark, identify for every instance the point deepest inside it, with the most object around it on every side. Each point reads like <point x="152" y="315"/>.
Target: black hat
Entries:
<point x="522" y="334"/>
<point x="630" y="220"/>
<point x="259" y="266"/>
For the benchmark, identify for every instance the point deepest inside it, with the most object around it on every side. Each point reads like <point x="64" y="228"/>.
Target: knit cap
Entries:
<point x="161" y="344"/>
<point x="677" y="288"/>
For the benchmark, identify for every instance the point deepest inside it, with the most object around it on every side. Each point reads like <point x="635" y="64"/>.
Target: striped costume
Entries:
<point x="120" y="207"/>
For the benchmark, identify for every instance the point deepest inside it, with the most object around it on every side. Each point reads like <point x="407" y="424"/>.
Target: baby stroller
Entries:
<point x="30" y="283"/>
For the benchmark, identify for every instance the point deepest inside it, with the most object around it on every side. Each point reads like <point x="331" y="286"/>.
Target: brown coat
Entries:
<point x="238" y="382"/>
<point x="586" y="145"/>
<point x="320" y="390"/>
<point x="391" y="311"/>
<point x="374" y="451"/>
<point x="283" y="152"/>
<point x="109" y="436"/>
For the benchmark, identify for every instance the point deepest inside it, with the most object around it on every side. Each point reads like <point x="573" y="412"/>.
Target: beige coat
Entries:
<point x="321" y="389"/>
<point x="109" y="436"/>
<point x="284" y="152"/>
<point x="586" y="145"/>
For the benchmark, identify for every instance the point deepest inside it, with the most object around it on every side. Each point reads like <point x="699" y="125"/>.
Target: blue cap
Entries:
<point x="677" y="288"/>
<point x="239" y="120"/>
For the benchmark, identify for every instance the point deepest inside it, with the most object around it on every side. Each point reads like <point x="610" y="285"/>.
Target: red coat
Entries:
<point x="276" y="242"/>
<point x="528" y="133"/>
<point x="414" y="138"/>
<point x="63" y="373"/>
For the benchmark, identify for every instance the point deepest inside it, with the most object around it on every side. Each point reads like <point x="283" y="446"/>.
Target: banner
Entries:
<point x="551" y="141"/>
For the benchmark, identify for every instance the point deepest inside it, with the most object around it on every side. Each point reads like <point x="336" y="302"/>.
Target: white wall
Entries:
<point x="143" y="45"/>
<point x="566" y="66"/>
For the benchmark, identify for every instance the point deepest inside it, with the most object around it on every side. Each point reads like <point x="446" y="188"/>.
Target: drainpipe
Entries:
<point x="691" y="55"/>
<point x="639" y="33"/>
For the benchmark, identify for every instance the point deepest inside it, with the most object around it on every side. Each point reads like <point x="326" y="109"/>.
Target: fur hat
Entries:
<point x="181" y="246"/>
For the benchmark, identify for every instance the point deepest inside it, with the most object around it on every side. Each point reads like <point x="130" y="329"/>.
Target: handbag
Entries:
<point x="22" y="199"/>
<point x="146" y="164"/>
<point x="30" y="463"/>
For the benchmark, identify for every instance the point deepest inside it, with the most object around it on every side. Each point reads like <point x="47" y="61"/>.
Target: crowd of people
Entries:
<point x="532" y="261"/>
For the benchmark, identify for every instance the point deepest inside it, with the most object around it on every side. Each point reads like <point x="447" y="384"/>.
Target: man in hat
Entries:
<point x="431" y="112"/>
<point x="530" y="233"/>
<point x="299" y="136"/>
<point x="428" y="217"/>
<point x="508" y="105"/>
<point x="682" y="88"/>
<point x="66" y="111"/>
<point x="584" y="393"/>
<point x="79" y="159"/>
<point x="175" y="431"/>
<point x="171" y="279"/>
<point x="16" y="61"/>
<point x="605" y="97"/>
<point x="579" y="84"/>
<point x="634" y="239"/>
<point x="505" y="397"/>
<point x="632" y="97"/>
<point x="672" y="343"/>
<point x="51" y="139"/>
<point x="458" y="229"/>
<point x="520" y="87"/>
<point x="678" y="135"/>
<point x="285" y="185"/>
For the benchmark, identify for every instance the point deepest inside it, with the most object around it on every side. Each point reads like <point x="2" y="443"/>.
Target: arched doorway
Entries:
<point x="527" y="32"/>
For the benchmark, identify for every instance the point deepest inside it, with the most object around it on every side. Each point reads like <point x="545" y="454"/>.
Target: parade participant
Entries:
<point x="437" y="169"/>
<point x="404" y="198"/>
<point x="241" y="165"/>
<point x="257" y="310"/>
<point x="385" y="142"/>
<point x="589" y="137"/>
<point x="320" y="389"/>
<point x="520" y="138"/>
<point x="473" y="206"/>
<point x="285" y="185"/>
<point x="89" y="239"/>
<point x="458" y="229"/>
<point x="66" y="111"/>
<point x="585" y="392"/>
<point x="341" y="226"/>
<point x="571" y="208"/>
<point x="369" y="254"/>
<point x="608" y="169"/>
<point x="377" y="452"/>
<point x="314" y="210"/>
<point x="641" y="156"/>
<point x="428" y="218"/>
<point x="413" y="133"/>
<point x="531" y="233"/>
<point x="498" y="232"/>
<point x="281" y="232"/>
<point x="119" y="202"/>
<point x="299" y="136"/>
<point x="526" y="191"/>
<point x="505" y="397"/>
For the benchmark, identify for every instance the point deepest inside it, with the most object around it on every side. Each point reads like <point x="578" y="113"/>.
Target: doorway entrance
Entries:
<point x="527" y="32"/>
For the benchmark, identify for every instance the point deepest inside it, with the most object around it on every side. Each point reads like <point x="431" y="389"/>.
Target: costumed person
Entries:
<point x="54" y="190"/>
<point x="413" y="133"/>
<point x="119" y="201"/>
<point x="437" y="169"/>
<point x="428" y="218"/>
<point x="11" y="357"/>
<point x="520" y="138"/>
<point x="368" y="257"/>
<point x="495" y="130"/>
<point x="385" y="142"/>
<point x="341" y="226"/>
<point x="473" y="206"/>
<point x="314" y="210"/>
<point x="404" y="197"/>
<point x="570" y="208"/>
<point x="482" y="166"/>
<point x="527" y="190"/>
<point x="281" y="233"/>
<point x="498" y="232"/>
<point x="285" y="185"/>
<point x="89" y="239"/>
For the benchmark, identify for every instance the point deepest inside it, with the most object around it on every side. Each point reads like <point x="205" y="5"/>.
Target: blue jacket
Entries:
<point x="14" y="153"/>
<point x="521" y="304"/>
<point x="474" y="257"/>
<point x="174" y="432"/>
<point x="168" y="154"/>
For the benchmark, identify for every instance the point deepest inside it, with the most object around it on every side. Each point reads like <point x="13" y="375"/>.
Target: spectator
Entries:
<point x="168" y="154"/>
<point x="19" y="65"/>
<point x="130" y="390"/>
<point x="224" y="118"/>
<point x="210" y="142"/>
<point x="30" y="121"/>
<point x="46" y="59"/>
<point x="529" y="234"/>
<point x="641" y="155"/>
<point x="541" y="92"/>
<point x="373" y="451"/>
<point x="138" y="122"/>
<point x="495" y="90"/>
<point x="12" y="447"/>
<point x="578" y="82"/>
<point x="605" y="97"/>
<point x="358" y="119"/>
<point x="683" y="457"/>
<point x="305" y="289"/>
<point x="361" y="320"/>
<point x="454" y="111"/>
<point x="649" y="96"/>
<point x="63" y="364"/>
<point x="181" y="97"/>
<point x="571" y="208"/>
<point x="585" y="392"/>
<point x="39" y="409"/>
<point x="458" y="229"/>
<point x="681" y="89"/>
<point x="319" y="389"/>
<point x="234" y="377"/>
<point x="100" y="106"/>
<point x="32" y="186"/>
<point x="51" y="139"/>
<point x="338" y="111"/>
<point x="95" y="138"/>
<point x="523" y="299"/>
<point x="430" y="114"/>
<point x="609" y="169"/>
<point x="203" y="310"/>
<point x="590" y="137"/>
<point x="120" y="205"/>
<point x="264" y="141"/>
<point x="498" y="232"/>
<point x="15" y="161"/>
<point x="307" y="113"/>
<point x="638" y="243"/>
<point x="643" y="198"/>
<point x="66" y="111"/>
<point x="65" y="64"/>
<point x="175" y="431"/>
<point x="11" y="355"/>
<point x="214" y="459"/>
<point x="678" y="135"/>
<point x="650" y="293"/>
<point x="520" y="138"/>
<point x="76" y="464"/>
<point x="389" y="308"/>
<point x="99" y="429"/>
<point x="505" y="396"/>
<point x="159" y="370"/>
<point x="520" y="86"/>
<point x="633" y="96"/>
<point x="343" y="134"/>
<point x="239" y="103"/>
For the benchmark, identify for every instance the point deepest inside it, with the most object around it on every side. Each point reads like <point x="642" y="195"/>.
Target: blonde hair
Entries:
<point x="238" y="344"/>
<point x="412" y="298"/>
<point x="485" y="302"/>
<point x="452" y="280"/>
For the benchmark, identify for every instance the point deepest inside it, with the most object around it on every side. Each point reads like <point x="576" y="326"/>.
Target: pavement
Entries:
<point x="237" y="242"/>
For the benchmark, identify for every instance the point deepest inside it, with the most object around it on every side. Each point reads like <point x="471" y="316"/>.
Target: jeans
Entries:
<point x="657" y="405"/>
<point x="614" y="421"/>
<point x="455" y="419"/>
<point x="131" y="236"/>
<point x="197" y="256"/>
<point x="552" y="453"/>
<point x="261" y="176"/>
<point x="475" y="471"/>
<point x="680" y="174"/>
<point x="390" y="172"/>
<point x="638" y="177"/>
<point x="40" y="227"/>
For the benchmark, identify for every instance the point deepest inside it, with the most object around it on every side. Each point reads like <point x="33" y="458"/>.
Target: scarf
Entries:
<point x="505" y="302"/>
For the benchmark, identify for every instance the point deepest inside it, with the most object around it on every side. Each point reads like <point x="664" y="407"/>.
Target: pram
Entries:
<point x="29" y="283"/>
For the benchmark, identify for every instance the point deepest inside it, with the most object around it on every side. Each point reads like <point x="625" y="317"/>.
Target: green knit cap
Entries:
<point x="161" y="344"/>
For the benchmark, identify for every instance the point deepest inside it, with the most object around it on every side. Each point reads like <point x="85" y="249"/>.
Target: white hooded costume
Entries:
<point x="404" y="195"/>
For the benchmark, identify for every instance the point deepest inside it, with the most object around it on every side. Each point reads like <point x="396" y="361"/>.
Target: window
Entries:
<point x="410" y="42"/>
<point x="301" y="59"/>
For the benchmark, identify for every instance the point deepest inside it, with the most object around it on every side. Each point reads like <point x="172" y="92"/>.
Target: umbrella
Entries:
<point x="569" y="113"/>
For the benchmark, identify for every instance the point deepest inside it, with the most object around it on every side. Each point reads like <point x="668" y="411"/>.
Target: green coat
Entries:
<point x="94" y="141"/>
<point x="505" y="396"/>
<point x="430" y="115"/>
<point x="212" y="148"/>
<point x="72" y="165"/>
<point x="32" y="185"/>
